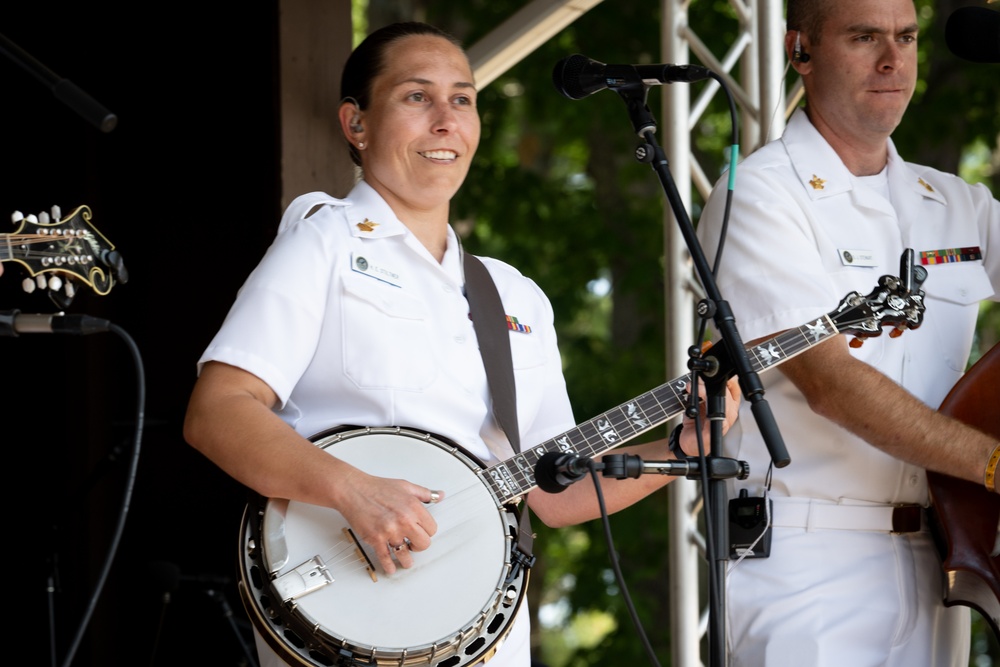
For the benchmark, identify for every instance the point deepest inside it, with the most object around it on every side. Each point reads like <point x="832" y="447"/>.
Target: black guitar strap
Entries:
<point x="490" y="322"/>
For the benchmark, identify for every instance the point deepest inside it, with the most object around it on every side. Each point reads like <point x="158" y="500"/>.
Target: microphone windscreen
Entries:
<point x="567" y="76"/>
<point x="546" y="473"/>
<point x="973" y="34"/>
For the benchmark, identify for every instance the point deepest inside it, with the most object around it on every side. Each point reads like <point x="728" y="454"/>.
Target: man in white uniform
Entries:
<point x="824" y="211"/>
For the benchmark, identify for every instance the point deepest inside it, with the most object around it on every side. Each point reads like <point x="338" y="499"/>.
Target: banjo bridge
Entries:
<point x="362" y="554"/>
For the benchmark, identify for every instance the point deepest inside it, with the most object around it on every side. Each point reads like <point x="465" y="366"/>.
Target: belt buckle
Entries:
<point x="906" y="519"/>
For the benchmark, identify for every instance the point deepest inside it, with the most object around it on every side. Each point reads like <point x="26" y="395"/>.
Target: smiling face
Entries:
<point x="861" y="73"/>
<point x="421" y="127"/>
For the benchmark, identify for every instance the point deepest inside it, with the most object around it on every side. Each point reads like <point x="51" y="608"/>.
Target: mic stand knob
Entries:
<point x="644" y="153"/>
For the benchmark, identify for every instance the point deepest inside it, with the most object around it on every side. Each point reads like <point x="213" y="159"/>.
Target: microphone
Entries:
<point x="578" y="76"/>
<point x="14" y="323"/>
<point x="973" y="34"/>
<point x="557" y="470"/>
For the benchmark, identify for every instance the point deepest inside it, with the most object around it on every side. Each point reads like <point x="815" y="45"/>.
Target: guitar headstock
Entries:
<point x="59" y="252"/>
<point x="897" y="302"/>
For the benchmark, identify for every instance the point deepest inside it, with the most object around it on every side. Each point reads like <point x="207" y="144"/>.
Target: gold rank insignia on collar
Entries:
<point x="816" y="182"/>
<point x="367" y="225"/>
<point x="925" y="184"/>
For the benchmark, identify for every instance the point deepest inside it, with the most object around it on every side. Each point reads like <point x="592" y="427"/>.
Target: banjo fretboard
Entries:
<point x="516" y="476"/>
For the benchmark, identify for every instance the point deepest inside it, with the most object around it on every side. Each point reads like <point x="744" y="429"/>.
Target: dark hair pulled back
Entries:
<point x="367" y="61"/>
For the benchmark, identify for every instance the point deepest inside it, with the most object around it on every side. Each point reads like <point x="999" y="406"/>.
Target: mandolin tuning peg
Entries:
<point x="16" y="217"/>
<point x="856" y="343"/>
<point x="55" y="283"/>
<point x="56" y="212"/>
<point x="896" y="333"/>
<point x="43" y="218"/>
<point x="62" y="301"/>
<point x="115" y="262"/>
<point x="28" y="285"/>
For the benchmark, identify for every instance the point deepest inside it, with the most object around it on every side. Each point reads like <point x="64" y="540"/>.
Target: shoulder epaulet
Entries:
<point x="303" y="205"/>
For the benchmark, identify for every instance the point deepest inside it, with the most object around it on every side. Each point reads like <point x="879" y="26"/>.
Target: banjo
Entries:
<point x="311" y="587"/>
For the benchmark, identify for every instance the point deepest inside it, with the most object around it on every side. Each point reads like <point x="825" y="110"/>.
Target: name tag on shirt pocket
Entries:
<point x="855" y="257"/>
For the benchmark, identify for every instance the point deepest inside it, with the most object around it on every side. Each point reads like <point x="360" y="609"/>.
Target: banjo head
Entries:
<point x="319" y="597"/>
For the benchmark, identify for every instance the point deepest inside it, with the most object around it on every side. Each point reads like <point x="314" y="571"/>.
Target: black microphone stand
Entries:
<point x="733" y="354"/>
<point x="62" y="89"/>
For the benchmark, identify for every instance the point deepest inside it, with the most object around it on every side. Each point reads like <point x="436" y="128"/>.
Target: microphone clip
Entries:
<point x="621" y="466"/>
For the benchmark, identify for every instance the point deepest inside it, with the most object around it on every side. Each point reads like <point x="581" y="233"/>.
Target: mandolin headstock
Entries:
<point x="60" y="252"/>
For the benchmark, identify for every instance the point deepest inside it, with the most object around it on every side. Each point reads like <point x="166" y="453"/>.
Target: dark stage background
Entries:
<point x="187" y="189"/>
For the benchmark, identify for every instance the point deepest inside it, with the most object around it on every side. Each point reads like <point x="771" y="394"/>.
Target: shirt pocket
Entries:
<point x="386" y="336"/>
<point x="958" y="283"/>
<point x="526" y="350"/>
<point x="954" y="292"/>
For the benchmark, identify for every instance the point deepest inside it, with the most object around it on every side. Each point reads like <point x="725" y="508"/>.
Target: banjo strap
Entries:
<point x="490" y="323"/>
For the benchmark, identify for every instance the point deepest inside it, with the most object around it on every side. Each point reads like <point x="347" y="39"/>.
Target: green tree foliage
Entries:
<point x="556" y="191"/>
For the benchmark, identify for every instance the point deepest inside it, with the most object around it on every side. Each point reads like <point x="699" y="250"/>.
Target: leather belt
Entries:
<point x="817" y="515"/>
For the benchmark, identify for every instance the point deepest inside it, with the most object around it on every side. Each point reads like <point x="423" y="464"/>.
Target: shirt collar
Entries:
<point x="819" y="168"/>
<point x="823" y="174"/>
<point x="369" y="216"/>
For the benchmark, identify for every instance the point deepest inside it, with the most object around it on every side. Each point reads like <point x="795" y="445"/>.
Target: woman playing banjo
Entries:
<point x="357" y="316"/>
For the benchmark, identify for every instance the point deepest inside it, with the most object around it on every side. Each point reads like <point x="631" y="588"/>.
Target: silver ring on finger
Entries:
<point x="399" y="547"/>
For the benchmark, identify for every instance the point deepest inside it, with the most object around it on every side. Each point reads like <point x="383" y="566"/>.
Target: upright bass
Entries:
<point x="966" y="517"/>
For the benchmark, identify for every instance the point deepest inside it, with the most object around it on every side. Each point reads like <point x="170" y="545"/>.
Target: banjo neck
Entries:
<point x="516" y="476"/>
<point x="895" y="302"/>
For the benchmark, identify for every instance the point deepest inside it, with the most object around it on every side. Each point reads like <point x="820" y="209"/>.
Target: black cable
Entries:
<point x="734" y="142"/>
<point x="612" y="554"/>
<point x="127" y="494"/>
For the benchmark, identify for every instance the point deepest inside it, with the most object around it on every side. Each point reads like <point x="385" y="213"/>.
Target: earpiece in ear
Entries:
<point x="356" y="125"/>
<point x="798" y="55"/>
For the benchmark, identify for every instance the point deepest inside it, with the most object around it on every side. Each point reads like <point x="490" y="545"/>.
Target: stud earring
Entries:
<point x="361" y="145"/>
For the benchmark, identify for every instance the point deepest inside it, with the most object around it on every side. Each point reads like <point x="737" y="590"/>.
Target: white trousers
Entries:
<point x="831" y="598"/>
